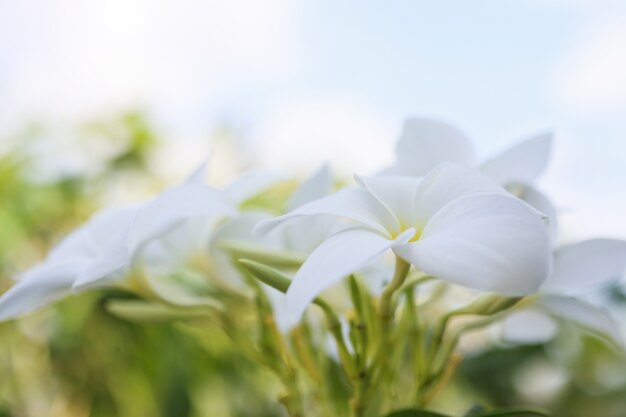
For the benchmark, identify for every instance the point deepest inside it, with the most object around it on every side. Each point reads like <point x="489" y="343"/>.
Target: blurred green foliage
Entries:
<point x="78" y="360"/>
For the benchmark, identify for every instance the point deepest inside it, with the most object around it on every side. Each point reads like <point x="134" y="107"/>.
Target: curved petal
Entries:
<point x="355" y="204"/>
<point x="425" y="143"/>
<point x="488" y="242"/>
<point x="304" y="235"/>
<point x="155" y="219"/>
<point x="319" y="185"/>
<point x="251" y="184"/>
<point x="108" y="265"/>
<point x="446" y="183"/>
<point x="528" y="326"/>
<point x="41" y="286"/>
<point x="586" y="266"/>
<point x="523" y="162"/>
<point x="541" y="203"/>
<point x="338" y="256"/>
<point x="397" y="194"/>
<point x="174" y="206"/>
<point x="198" y="177"/>
<point x="592" y="318"/>
<point x="87" y="241"/>
<point x="237" y="229"/>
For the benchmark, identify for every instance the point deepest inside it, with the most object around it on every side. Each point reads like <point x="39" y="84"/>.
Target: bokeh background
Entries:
<point x="105" y="102"/>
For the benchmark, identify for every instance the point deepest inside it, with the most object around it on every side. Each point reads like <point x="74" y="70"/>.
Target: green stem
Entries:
<point x="444" y="363"/>
<point x="386" y="312"/>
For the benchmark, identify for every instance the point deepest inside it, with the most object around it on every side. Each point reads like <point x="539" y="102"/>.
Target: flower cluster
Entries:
<point x="374" y="256"/>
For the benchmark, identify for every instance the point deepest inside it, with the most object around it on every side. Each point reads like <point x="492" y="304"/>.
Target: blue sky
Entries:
<point x="309" y="81"/>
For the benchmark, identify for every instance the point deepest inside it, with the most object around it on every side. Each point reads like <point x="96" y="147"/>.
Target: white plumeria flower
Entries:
<point x="102" y="252"/>
<point x="579" y="271"/>
<point x="425" y="143"/>
<point x="454" y="224"/>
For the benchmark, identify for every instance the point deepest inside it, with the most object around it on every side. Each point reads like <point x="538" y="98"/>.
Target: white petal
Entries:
<point x="446" y="183"/>
<point x="238" y="229"/>
<point x="87" y="241"/>
<point x="198" y="177"/>
<point x="173" y="207"/>
<point x="108" y="266"/>
<point x="41" y="286"/>
<point x="585" y="266"/>
<point x="155" y="219"/>
<point x="488" y="242"/>
<point x="425" y="143"/>
<point x="340" y="255"/>
<point x="251" y="184"/>
<point x="540" y="202"/>
<point x="523" y="162"/>
<point x="180" y="246"/>
<point x="355" y="204"/>
<point x="528" y="326"/>
<point x="593" y="318"/>
<point x="319" y="185"/>
<point x="304" y="235"/>
<point x="397" y="194"/>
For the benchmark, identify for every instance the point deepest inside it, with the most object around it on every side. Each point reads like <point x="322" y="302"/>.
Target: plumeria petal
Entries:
<point x="53" y="279"/>
<point x="86" y="242"/>
<point x="109" y="265"/>
<point x="198" y="177"/>
<point x="351" y="203"/>
<point x="528" y="326"/>
<point x="541" y="203"/>
<point x="41" y="286"/>
<point x="251" y="184"/>
<point x="523" y="162"/>
<point x="304" y="235"/>
<point x="174" y="206"/>
<point x="319" y="185"/>
<point x="338" y="256"/>
<point x="238" y="229"/>
<point x="448" y="182"/>
<point x="586" y="266"/>
<point x="397" y="194"/>
<point x="488" y="242"/>
<point x="595" y="319"/>
<point x="156" y="218"/>
<point x="425" y="143"/>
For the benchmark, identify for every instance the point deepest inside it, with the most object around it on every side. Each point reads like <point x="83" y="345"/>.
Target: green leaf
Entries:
<point x="516" y="412"/>
<point x="415" y="413"/>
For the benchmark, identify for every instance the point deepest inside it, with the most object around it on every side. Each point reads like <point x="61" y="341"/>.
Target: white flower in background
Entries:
<point x="425" y="143"/>
<point x="297" y="240"/>
<point x="455" y="224"/>
<point x="111" y="246"/>
<point x="579" y="271"/>
<point x="186" y="247"/>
